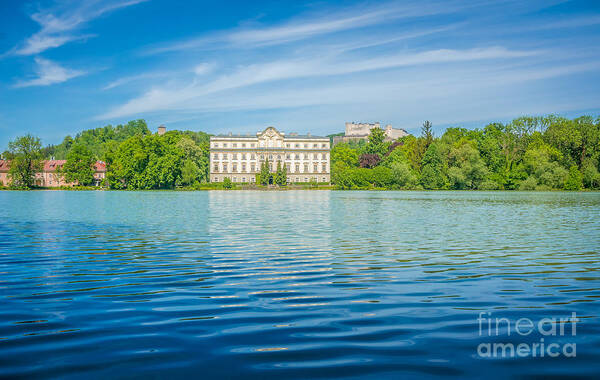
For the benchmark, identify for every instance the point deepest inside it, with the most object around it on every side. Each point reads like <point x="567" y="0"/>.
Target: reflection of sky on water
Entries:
<point x="293" y="282"/>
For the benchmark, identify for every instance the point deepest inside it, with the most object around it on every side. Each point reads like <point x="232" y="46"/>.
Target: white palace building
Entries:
<point x="239" y="158"/>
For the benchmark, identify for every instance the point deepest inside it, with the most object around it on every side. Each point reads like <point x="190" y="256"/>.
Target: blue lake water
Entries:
<point x="294" y="284"/>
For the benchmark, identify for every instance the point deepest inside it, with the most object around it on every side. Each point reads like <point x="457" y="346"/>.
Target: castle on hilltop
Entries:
<point x="361" y="131"/>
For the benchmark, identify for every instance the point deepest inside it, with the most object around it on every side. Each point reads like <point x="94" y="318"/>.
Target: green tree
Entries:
<point x="575" y="179"/>
<point x="147" y="162"/>
<point x="414" y="149"/>
<point x="198" y="153"/>
<point x="576" y="139"/>
<point x="189" y="173"/>
<point x="96" y="139"/>
<point x="432" y="169"/>
<point x="591" y="176"/>
<point x="466" y="168"/>
<point x="541" y="162"/>
<point x="25" y="154"/>
<point x="79" y="167"/>
<point x="427" y="133"/>
<point x="403" y="176"/>
<point x="343" y="152"/>
<point x="529" y="184"/>
<point x="264" y="177"/>
<point x="376" y="144"/>
<point x="227" y="183"/>
<point x="382" y="177"/>
<point x="280" y="175"/>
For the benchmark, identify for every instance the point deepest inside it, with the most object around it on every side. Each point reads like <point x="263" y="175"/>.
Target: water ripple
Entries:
<point x="291" y="284"/>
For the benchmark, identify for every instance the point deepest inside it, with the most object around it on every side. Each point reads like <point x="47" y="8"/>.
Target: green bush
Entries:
<point x="529" y="184"/>
<point x="575" y="180"/>
<point x="489" y="185"/>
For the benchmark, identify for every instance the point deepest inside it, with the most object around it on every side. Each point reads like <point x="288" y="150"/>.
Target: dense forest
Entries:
<point x="135" y="158"/>
<point x="529" y="153"/>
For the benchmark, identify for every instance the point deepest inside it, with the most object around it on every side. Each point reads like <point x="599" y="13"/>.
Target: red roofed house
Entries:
<point x="49" y="177"/>
<point x="4" y="166"/>
<point x="99" y="172"/>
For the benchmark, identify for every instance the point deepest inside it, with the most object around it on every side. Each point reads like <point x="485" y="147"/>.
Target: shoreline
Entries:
<point x="329" y="188"/>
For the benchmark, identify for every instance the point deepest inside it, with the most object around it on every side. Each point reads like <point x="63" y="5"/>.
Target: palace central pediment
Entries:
<point x="270" y="137"/>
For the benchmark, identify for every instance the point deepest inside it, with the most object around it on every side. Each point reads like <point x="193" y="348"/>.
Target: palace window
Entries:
<point x="224" y="145"/>
<point x="324" y="145"/>
<point x="234" y="179"/>
<point x="235" y="145"/>
<point x="252" y="179"/>
<point x="216" y="168"/>
<point x="216" y="156"/>
<point x="234" y="167"/>
<point x="287" y="145"/>
<point x="243" y="156"/>
<point x="287" y="156"/>
<point x="225" y="167"/>
<point x="279" y="157"/>
<point x="252" y="145"/>
<point x="324" y="179"/>
<point x="224" y="155"/>
<point x="216" y="145"/>
<point x="243" y="145"/>
<point x="315" y="145"/>
<point x="270" y="156"/>
<point x="252" y="157"/>
<point x="305" y="168"/>
<point x="287" y="166"/>
<point x="297" y="168"/>
<point x="243" y="179"/>
<point x="297" y="145"/>
<point x="252" y="167"/>
<point x="324" y="168"/>
<point x="314" y="156"/>
<point x="315" y="168"/>
<point x="306" y="146"/>
<point x="244" y="167"/>
<point x="235" y="156"/>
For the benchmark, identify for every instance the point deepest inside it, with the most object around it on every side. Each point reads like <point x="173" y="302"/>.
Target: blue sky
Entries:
<point x="239" y="66"/>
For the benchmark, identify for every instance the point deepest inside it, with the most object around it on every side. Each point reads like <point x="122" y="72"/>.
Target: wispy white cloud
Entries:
<point x="60" y="24"/>
<point x="160" y="98"/>
<point x="203" y="68"/>
<point x="565" y="23"/>
<point x="311" y="26"/>
<point x="47" y="73"/>
<point x="134" y="78"/>
<point x="378" y="40"/>
<point x="476" y="91"/>
<point x="198" y="70"/>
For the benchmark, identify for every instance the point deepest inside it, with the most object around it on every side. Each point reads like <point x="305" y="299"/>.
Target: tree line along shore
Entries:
<point x="529" y="153"/>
